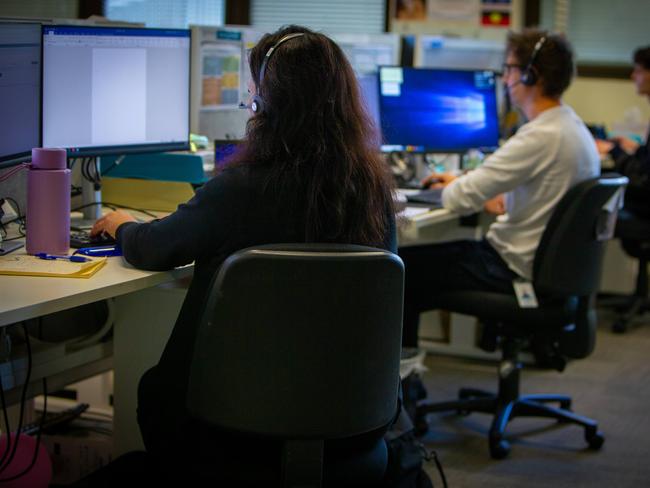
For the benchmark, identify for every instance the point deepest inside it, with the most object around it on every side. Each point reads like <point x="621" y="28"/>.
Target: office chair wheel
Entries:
<point x="499" y="448"/>
<point x="594" y="438"/>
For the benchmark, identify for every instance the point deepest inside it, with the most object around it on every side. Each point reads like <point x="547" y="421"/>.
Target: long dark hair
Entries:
<point x="316" y="136"/>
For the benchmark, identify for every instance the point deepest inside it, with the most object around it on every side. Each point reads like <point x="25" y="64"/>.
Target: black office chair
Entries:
<point x="301" y="343"/>
<point x="566" y="276"/>
<point x="634" y="232"/>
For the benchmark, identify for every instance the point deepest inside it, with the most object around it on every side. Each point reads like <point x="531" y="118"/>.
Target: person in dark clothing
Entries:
<point x="631" y="158"/>
<point x="309" y="171"/>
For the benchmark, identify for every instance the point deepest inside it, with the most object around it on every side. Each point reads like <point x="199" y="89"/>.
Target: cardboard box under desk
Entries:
<point x="77" y="453"/>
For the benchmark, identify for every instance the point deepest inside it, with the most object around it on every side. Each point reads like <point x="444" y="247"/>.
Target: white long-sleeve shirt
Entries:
<point x="534" y="168"/>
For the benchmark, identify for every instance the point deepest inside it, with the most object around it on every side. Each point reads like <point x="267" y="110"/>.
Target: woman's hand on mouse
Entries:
<point x="109" y="223"/>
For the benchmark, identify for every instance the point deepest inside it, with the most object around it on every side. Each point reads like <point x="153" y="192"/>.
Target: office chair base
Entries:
<point x="472" y="400"/>
<point x="638" y="306"/>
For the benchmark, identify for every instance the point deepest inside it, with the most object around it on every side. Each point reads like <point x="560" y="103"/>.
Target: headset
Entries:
<point x="257" y="104"/>
<point x="528" y="75"/>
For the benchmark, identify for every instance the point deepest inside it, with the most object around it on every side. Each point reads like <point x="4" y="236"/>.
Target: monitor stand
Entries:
<point x="91" y="201"/>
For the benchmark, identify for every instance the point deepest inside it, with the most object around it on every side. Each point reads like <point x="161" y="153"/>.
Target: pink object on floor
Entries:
<point x="39" y="476"/>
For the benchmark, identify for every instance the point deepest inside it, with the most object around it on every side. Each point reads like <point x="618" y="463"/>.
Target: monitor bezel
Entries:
<point x="117" y="150"/>
<point x="435" y="149"/>
<point x="9" y="160"/>
<point x="14" y="159"/>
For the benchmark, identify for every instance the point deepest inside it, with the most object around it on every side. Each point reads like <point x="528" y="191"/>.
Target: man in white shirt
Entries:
<point x="522" y="182"/>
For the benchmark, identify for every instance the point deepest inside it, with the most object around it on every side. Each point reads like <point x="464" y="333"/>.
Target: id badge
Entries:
<point x="525" y="294"/>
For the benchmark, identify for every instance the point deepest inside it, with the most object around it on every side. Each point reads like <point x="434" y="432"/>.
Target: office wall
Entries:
<point x="605" y="101"/>
<point x="458" y="20"/>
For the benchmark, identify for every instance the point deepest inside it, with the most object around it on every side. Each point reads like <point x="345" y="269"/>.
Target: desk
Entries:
<point x="26" y="297"/>
<point x="147" y="304"/>
<point x="432" y="227"/>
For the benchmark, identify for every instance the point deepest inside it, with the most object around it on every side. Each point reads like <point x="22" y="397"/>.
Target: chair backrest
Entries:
<point x="300" y="341"/>
<point x="568" y="261"/>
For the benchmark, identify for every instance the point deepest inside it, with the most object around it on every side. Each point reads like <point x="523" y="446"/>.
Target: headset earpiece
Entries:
<point x="257" y="104"/>
<point x="528" y="77"/>
<point x="529" y="74"/>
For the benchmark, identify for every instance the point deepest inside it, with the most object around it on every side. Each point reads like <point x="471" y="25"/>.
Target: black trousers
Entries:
<point x="632" y="225"/>
<point x="451" y="266"/>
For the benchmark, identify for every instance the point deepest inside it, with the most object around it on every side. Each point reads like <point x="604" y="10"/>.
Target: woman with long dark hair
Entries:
<point x="309" y="171"/>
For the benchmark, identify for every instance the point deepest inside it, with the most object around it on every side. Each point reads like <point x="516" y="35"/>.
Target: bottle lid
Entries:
<point x="49" y="158"/>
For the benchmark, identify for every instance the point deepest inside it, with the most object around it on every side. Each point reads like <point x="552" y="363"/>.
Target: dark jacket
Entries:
<point x="234" y="210"/>
<point x="637" y="168"/>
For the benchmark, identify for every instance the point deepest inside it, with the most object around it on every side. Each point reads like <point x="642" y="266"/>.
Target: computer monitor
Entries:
<point x="369" y="89"/>
<point x="366" y="52"/>
<point x="20" y="91"/>
<point x="115" y="90"/>
<point x="438" y="110"/>
<point x="224" y="149"/>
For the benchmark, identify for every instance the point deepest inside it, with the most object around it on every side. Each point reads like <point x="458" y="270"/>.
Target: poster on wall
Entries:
<point x="220" y="71"/>
<point x="495" y="13"/>
<point x="456" y="10"/>
<point x="469" y="13"/>
<point x="411" y="10"/>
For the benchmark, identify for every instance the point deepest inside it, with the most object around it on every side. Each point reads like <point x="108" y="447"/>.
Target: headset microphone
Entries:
<point x="529" y="75"/>
<point x="510" y="87"/>
<point x="257" y="104"/>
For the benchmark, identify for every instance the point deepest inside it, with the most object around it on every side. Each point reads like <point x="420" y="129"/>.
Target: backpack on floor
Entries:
<point x="406" y="454"/>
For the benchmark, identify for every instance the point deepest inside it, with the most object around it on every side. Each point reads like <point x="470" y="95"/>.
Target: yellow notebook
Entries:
<point x="25" y="265"/>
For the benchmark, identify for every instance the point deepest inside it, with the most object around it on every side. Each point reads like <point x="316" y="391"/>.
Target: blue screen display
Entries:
<point x="223" y="150"/>
<point x="440" y="110"/>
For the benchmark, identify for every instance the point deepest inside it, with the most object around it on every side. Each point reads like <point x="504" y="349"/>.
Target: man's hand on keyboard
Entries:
<point x="438" y="180"/>
<point x="110" y="222"/>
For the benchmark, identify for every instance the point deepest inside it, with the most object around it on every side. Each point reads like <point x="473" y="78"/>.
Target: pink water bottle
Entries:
<point x="48" y="202"/>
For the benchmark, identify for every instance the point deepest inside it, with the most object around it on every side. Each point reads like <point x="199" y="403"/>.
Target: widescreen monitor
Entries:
<point x="20" y="91"/>
<point x="368" y="87"/>
<point x="115" y="90"/>
<point x="224" y="149"/>
<point x="438" y="110"/>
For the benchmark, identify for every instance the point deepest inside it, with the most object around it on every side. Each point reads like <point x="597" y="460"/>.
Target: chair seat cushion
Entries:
<point x="500" y="307"/>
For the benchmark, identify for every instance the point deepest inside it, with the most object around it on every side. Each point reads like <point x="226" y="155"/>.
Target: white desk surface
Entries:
<point x="26" y="297"/>
<point x="428" y="217"/>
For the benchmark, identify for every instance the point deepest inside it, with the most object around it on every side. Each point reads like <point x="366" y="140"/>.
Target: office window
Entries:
<point x="167" y="13"/>
<point x="601" y="32"/>
<point x="331" y="16"/>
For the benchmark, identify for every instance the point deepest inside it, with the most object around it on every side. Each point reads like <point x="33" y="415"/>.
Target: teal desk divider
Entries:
<point x="184" y="167"/>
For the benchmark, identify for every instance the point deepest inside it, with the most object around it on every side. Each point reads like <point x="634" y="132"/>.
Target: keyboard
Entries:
<point x="431" y="197"/>
<point x="81" y="238"/>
